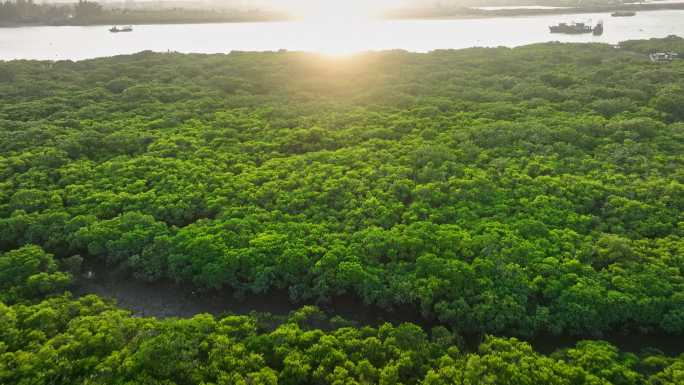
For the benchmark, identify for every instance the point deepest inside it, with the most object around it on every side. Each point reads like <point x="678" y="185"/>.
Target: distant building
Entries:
<point x="662" y="57"/>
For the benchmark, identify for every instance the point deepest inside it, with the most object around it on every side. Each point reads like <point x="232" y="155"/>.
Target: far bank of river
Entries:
<point x="164" y="300"/>
<point x="511" y="11"/>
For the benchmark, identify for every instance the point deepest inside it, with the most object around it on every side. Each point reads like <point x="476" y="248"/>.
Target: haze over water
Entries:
<point x="77" y="43"/>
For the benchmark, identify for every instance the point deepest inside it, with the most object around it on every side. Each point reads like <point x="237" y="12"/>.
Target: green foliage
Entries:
<point x="28" y="273"/>
<point x="66" y="341"/>
<point x="671" y="43"/>
<point x="670" y="100"/>
<point x="522" y="191"/>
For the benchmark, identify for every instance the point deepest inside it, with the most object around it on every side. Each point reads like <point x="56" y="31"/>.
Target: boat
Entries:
<point x="572" y="28"/>
<point x="623" y="13"/>
<point x="115" y="29"/>
<point x="598" y="29"/>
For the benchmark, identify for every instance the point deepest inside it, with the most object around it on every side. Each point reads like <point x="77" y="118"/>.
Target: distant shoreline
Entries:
<point x="138" y="22"/>
<point x="408" y="14"/>
<point x="474" y="13"/>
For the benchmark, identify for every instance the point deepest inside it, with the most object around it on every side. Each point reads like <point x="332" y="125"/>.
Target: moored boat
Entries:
<point x="116" y="29"/>
<point x="623" y="13"/>
<point x="571" y="28"/>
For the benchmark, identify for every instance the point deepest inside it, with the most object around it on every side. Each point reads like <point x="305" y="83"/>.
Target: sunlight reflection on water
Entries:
<point x="331" y="37"/>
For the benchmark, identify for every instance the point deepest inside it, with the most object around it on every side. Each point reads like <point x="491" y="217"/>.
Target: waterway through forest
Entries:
<point x="165" y="299"/>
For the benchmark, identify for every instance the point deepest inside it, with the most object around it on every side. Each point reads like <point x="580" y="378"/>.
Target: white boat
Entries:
<point x="115" y="29"/>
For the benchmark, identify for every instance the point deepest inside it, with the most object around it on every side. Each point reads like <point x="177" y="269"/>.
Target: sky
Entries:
<point x="336" y="9"/>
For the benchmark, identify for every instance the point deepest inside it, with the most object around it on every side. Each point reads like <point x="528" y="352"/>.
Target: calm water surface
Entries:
<point x="335" y="38"/>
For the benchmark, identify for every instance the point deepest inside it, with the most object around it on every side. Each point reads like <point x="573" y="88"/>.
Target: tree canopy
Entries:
<point x="522" y="191"/>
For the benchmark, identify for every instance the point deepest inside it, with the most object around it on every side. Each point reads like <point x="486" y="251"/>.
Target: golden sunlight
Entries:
<point x="327" y="11"/>
<point x="338" y="27"/>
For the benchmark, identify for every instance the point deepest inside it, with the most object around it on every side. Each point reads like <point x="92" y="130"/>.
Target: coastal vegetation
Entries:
<point x="52" y="338"/>
<point x="502" y="192"/>
<point x="65" y="341"/>
<point x="62" y="340"/>
<point x="670" y="43"/>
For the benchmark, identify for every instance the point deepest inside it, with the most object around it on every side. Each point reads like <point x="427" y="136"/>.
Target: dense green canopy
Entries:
<point x="527" y="190"/>
<point x="520" y="191"/>
<point x="62" y="340"/>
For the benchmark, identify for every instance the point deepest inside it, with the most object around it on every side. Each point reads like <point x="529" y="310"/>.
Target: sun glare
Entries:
<point x="336" y="11"/>
<point x="337" y="26"/>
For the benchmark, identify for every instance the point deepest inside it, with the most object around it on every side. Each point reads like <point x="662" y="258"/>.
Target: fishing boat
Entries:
<point x="116" y="29"/>
<point x="623" y="13"/>
<point x="571" y="28"/>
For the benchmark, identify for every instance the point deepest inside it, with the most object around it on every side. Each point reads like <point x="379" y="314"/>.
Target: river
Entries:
<point x="164" y="299"/>
<point x="76" y="43"/>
